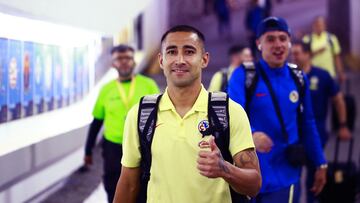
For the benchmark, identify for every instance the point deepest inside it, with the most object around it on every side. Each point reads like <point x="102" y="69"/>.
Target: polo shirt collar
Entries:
<point x="199" y="105"/>
<point x="322" y="35"/>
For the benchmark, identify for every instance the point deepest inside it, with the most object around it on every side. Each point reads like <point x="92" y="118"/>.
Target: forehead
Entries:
<point x="275" y="34"/>
<point x="320" y="20"/>
<point x="296" y="47"/>
<point x="118" y="53"/>
<point x="246" y="51"/>
<point x="180" y="39"/>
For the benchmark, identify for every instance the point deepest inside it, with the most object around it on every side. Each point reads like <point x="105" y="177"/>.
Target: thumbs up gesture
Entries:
<point x="210" y="163"/>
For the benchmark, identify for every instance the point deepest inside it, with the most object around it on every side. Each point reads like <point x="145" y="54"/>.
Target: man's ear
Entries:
<point x="160" y="59"/>
<point x="258" y="45"/>
<point x="205" y="59"/>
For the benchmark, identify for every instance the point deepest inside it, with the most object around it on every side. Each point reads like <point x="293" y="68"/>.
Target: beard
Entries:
<point x="125" y="73"/>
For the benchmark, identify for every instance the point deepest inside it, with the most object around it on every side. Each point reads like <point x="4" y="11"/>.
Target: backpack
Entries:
<point x="218" y="116"/>
<point x="224" y="79"/>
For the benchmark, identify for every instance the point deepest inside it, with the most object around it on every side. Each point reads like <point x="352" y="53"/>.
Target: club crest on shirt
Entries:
<point x="294" y="96"/>
<point x="314" y="82"/>
<point x="203" y="125"/>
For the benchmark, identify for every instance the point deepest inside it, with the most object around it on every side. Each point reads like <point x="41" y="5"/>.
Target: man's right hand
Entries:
<point x="263" y="142"/>
<point x="88" y="160"/>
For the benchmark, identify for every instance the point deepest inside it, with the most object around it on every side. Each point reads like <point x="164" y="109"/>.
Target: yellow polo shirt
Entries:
<point x="174" y="176"/>
<point x="325" y="59"/>
<point x="216" y="80"/>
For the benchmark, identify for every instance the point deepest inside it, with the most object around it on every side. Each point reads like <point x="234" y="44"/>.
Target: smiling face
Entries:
<point x="182" y="59"/>
<point x="274" y="47"/>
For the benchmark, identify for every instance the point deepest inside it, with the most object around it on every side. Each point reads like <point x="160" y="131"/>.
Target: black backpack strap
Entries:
<point x="219" y="121"/>
<point x="147" y="116"/>
<point x="251" y="79"/>
<point x="298" y="77"/>
<point x="224" y="79"/>
<point x="218" y="115"/>
<point x="275" y="103"/>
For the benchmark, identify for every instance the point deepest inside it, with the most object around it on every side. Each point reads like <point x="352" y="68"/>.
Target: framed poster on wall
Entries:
<point x="65" y="58"/>
<point x="72" y="75"/>
<point x="49" y="77"/>
<point x="86" y="70"/>
<point x="79" y="67"/>
<point x="39" y="102"/>
<point x="28" y="78"/>
<point x="14" y="66"/>
<point x="58" y="77"/>
<point x="3" y="80"/>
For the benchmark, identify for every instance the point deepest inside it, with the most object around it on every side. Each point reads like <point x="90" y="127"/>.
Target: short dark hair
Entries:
<point x="305" y="47"/>
<point x="235" y="49"/>
<point x="122" y="48"/>
<point x="184" y="28"/>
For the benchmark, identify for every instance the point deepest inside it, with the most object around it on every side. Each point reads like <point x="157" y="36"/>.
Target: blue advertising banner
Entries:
<point x="65" y="58"/>
<point x="14" y="65"/>
<point x="39" y="78"/>
<point x="78" y="73"/>
<point x="3" y="80"/>
<point x="72" y="75"/>
<point x="49" y="77"/>
<point x="28" y="78"/>
<point x="86" y="76"/>
<point x="58" y="76"/>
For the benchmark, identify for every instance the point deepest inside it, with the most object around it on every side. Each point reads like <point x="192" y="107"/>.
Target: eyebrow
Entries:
<point x="189" y="47"/>
<point x="171" y="47"/>
<point x="185" y="46"/>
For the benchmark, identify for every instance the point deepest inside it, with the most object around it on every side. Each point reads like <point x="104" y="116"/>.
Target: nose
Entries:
<point x="180" y="59"/>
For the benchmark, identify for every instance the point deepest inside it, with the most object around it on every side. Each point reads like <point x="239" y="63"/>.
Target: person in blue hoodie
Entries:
<point x="281" y="117"/>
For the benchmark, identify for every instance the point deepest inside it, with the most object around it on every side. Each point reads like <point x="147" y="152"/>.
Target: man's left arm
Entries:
<point x="244" y="177"/>
<point x="339" y="102"/>
<point x="244" y="174"/>
<point x="312" y="142"/>
<point x="337" y="59"/>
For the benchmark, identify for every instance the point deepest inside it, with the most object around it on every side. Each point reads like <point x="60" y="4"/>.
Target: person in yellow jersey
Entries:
<point x="325" y="49"/>
<point x="238" y="54"/>
<point x="185" y="166"/>
<point x="113" y="103"/>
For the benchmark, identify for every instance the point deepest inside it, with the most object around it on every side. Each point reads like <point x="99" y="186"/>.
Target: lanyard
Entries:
<point x="126" y="98"/>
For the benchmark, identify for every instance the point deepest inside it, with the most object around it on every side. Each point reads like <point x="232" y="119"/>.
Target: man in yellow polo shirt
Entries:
<point x="325" y="49"/>
<point x="185" y="167"/>
<point x="113" y="103"/>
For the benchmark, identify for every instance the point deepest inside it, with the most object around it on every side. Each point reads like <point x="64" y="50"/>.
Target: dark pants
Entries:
<point x="280" y="196"/>
<point x="112" y="154"/>
<point x="310" y="173"/>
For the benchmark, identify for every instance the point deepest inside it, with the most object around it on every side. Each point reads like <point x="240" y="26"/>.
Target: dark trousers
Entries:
<point x="286" y="195"/>
<point x="112" y="154"/>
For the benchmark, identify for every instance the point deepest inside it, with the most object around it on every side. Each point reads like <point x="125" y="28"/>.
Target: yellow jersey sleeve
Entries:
<point x="240" y="131"/>
<point x="215" y="83"/>
<point x="131" y="146"/>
